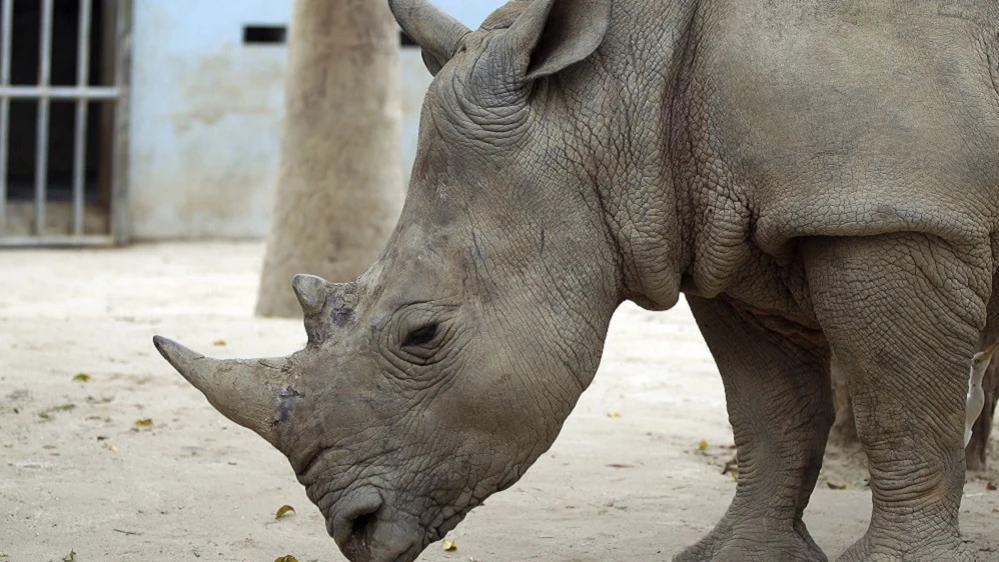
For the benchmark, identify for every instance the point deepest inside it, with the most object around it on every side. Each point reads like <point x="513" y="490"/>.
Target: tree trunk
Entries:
<point x="340" y="181"/>
<point x="844" y="431"/>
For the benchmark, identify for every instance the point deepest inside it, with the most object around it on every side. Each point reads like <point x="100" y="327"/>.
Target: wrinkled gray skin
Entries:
<point x="813" y="175"/>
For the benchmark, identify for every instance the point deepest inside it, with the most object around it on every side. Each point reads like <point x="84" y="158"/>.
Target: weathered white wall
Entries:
<point x="205" y="119"/>
<point x="206" y="115"/>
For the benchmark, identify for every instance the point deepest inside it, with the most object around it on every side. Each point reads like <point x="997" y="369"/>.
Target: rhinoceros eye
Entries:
<point x="421" y="336"/>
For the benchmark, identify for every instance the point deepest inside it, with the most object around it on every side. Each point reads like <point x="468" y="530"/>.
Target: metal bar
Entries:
<point x="80" y="136"/>
<point x="57" y="241"/>
<point x="119" y="158"/>
<point x="106" y="61"/>
<point x="96" y="93"/>
<point x="83" y="44"/>
<point x="6" y="27"/>
<point x="42" y="135"/>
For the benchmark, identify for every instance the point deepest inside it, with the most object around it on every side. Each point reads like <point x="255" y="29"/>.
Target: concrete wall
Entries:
<point x="205" y="119"/>
<point x="206" y="115"/>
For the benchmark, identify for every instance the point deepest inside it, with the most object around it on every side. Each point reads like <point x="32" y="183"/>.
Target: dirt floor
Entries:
<point x="637" y="473"/>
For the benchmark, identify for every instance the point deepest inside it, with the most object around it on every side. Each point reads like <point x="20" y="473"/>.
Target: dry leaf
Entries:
<point x="836" y="486"/>
<point x="284" y="510"/>
<point x="286" y="558"/>
<point x="218" y="343"/>
<point x="448" y="545"/>
<point x="613" y="414"/>
<point x="144" y="422"/>
<point x="990" y="486"/>
<point x="702" y="445"/>
<point x="71" y="557"/>
<point x="111" y="447"/>
<point x="81" y="377"/>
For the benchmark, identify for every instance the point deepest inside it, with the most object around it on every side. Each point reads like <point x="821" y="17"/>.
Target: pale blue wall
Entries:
<point x="469" y="12"/>
<point x="205" y="116"/>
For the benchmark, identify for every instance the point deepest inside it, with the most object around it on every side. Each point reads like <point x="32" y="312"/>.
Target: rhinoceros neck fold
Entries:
<point x="624" y="151"/>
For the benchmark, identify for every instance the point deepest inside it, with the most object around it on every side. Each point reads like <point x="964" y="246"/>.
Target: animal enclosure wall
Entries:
<point x="207" y="103"/>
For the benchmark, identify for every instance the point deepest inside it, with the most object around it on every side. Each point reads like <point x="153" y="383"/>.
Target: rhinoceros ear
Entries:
<point x="437" y="33"/>
<point x="551" y="35"/>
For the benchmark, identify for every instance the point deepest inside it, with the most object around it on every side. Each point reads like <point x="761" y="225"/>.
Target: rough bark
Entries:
<point x="844" y="431"/>
<point x="340" y="181"/>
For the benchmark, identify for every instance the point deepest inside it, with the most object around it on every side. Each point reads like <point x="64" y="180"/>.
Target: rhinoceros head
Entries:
<point x="442" y="373"/>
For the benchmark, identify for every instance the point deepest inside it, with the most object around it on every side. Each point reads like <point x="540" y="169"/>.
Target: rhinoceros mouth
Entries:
<point x="368" y="529"/>
<point x="365" y="530"/>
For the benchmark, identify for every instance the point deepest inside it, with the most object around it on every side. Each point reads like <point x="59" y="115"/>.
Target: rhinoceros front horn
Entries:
<point x="434" y="30"/>
<point x="251" y="392"/>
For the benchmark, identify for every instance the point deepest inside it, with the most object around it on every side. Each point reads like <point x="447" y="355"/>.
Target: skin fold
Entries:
<point x="816" y="177"/>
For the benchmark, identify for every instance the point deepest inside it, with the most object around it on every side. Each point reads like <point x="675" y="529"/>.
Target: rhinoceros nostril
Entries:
<point x="354" y="528"/>
<point x="360" y="528"/>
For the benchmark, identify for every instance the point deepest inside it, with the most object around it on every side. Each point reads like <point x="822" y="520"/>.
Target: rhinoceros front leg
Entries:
<point x="780" y="405"/>
<point x="903" y="313"/>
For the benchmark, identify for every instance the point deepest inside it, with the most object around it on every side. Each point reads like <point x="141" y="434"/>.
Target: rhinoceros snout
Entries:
<point x="366" y="530"/>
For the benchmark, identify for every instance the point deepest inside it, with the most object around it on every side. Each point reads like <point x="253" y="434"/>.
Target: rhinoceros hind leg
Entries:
<point x="779" y="401"/>
<point x="903" y="313"/>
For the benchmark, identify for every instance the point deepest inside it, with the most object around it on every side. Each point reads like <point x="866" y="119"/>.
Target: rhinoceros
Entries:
<point x="815" y="177"/>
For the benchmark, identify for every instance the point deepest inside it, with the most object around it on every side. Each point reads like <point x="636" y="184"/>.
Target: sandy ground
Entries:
<point x="625" y="481"/>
